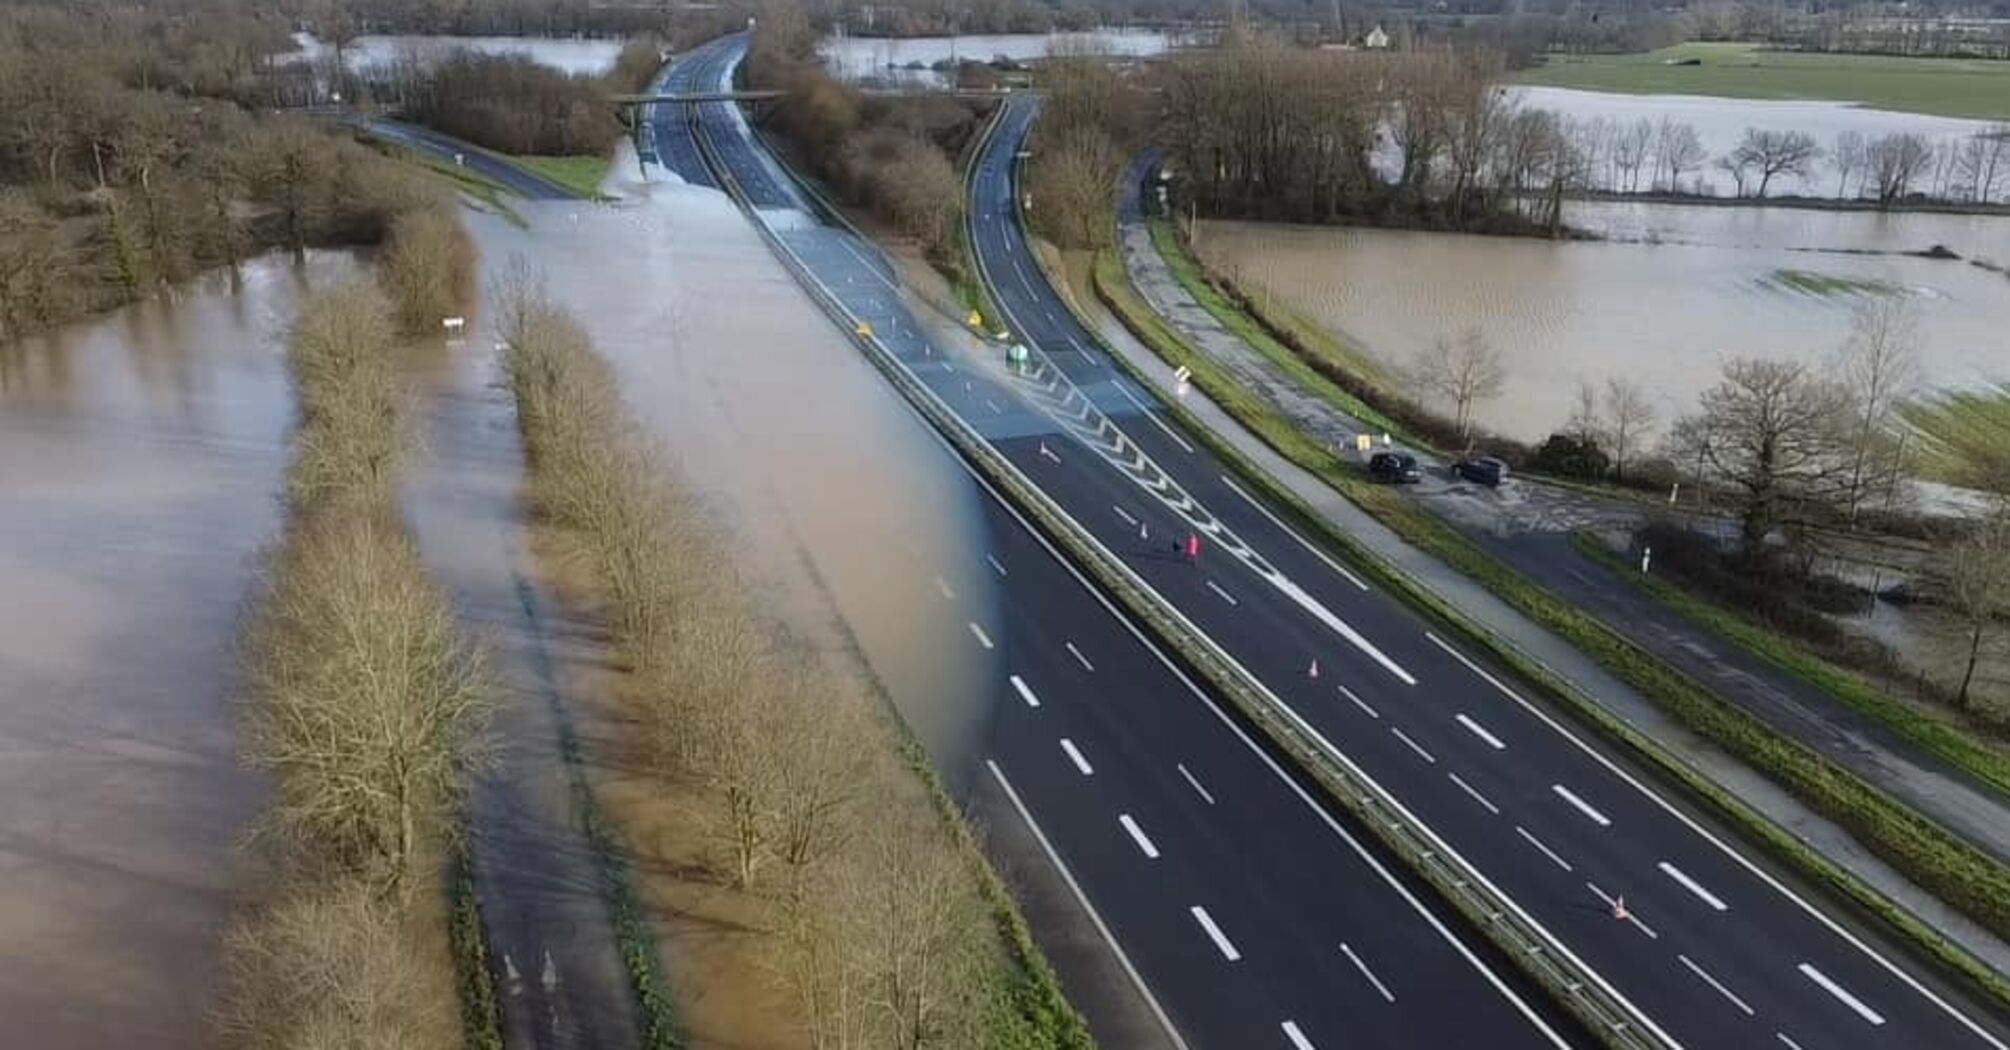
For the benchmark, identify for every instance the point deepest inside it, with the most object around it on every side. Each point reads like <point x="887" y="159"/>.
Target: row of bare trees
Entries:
<point x="893" y="156"/>
<point x="361" y="701"/>
<point x="873" y="923"/>
<point x="1433" y="138"/>
<point x="1423" y="138"/>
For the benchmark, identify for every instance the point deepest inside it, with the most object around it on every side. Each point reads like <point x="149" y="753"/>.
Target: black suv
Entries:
<point x="1486" y="470"/>
<point x="1396" y="468"/>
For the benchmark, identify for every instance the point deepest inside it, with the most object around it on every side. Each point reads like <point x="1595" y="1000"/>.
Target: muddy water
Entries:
<point x="839" y="499"/>
<point x="139" y="458"/>
<point x="1665" y="314"/>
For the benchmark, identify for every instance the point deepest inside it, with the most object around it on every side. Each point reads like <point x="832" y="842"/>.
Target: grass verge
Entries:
<point x="1947" y="742"/>
<point x="1944" y="865"/>
<point x="481" y="1011"/>
<point x="580" y="174"/>
<point x="1260" y="337"/>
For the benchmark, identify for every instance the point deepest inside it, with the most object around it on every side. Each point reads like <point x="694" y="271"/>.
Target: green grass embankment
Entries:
<point x="580" y="175"/>
<point x="1259" y="337"/>
<point x="1950" y="743"/>
<point x="1926" y="853"/>
<point x="1949" y="87"/>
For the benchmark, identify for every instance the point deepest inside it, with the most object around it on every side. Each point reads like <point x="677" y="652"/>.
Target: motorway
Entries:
<point x="1304" y="924"/>
<point x="1717" y="952"/>
<point x="1249" y="914"/>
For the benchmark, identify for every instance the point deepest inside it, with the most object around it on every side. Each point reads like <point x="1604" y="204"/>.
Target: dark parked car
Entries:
<point x="1486" y="470"/>
<point x="1397" y="468"/>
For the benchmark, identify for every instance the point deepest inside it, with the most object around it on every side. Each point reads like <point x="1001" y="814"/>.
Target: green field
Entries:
<point x="1944" y="86"/>
<point x="580" y="174"/>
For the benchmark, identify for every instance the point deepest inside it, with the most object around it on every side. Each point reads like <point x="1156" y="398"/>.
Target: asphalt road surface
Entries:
<point x="1250" y="915"/>
<point x="1235" y="937"/>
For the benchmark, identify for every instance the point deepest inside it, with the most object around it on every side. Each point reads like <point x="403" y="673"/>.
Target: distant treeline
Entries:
<point x="1419" y="138"/>
<point x="512" y="104"/>
<point x="127" y="162"/>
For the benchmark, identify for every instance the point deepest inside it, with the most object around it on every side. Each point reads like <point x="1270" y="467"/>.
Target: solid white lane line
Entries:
<point x="1714" y="983"/>
<point x="1319" y="811"/>
<point x="1293" y="533"/>
<point x="1405" y="738"/>
<point x="1842" y="993"/>
<point x="1298" y="1040"/>
<point x="1054" y="858"/>
<point x="1214" y="933"/>
<point x="1075" y="756"/>
<point x="1025" y="692"/>
<point x="1121" y="513"/>
<point x="1079" y="658"/>
<point x="1546" y="851"/>
<point x="1146" y="410"/>
<point x="1358" y="702"/>
<point x="1584" y="807"/>
<point x="982" y="638"/>
<point x="1369" y="974"/>
<point x="1693" y="886"/>
<point x="1630" y="917"/>
<point x="1225" y="596"/>
<point x="1477" y="797"/>
<point x="1481" y="732"/>
<point x="1138" y="836"/>
<point x="943" y="586"/>
<point x="1338" y="626"/>
<point x="1819" y="916"/>
<point x="1196" y="783"/>
<point x="998" y="568"/>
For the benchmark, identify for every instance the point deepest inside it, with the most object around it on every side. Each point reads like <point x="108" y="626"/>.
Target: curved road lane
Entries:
<point x="1250" y="914"/>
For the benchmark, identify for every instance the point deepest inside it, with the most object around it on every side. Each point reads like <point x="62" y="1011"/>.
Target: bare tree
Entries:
<point x="1630" y="148"/>
<point x="1975" y="573"/>
<point x="1679" y="150"/>
<point x="1775" y="153"/>
<point x="1462" y="373"/>
<point x="1985" y="162"/>
<point x="1768" y="432"/>
<point x="1848" y="157"/>
<point x="1894" y="162"/>
<point x="1877" y="368"/>
<point x="1626" y="418"/>
<point x="1584" y="422"/>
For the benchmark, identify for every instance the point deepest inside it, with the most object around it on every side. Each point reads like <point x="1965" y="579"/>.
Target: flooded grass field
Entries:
<point x="139" y="460"/>
<point x="1678" y="291"/>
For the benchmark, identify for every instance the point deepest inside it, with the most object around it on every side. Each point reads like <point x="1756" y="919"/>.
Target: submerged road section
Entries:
<point x="1243" y="911"/>
<point x="1709" y="945"/>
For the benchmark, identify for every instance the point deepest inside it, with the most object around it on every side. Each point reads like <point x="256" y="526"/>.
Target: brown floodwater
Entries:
<point x="139" y="460"/>
<point x="842" y="505"/>
<point x="1684" y="290"/>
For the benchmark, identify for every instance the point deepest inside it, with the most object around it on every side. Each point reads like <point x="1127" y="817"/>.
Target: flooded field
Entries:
<point x="562" y="53"/>
<point x="908" y="60"/>
<point x="139" y="460"/>
<point x="836" y="494"/>
<point x="1723" y="282"/>
<point x="1721" y="122"/>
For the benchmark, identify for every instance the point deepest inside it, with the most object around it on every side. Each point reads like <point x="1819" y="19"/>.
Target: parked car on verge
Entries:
<point x="1485" y="470"/>
<point x="1396" y="468"/>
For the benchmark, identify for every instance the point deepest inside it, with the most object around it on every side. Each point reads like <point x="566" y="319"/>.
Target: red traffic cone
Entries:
<point x="1313" y="671"/>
